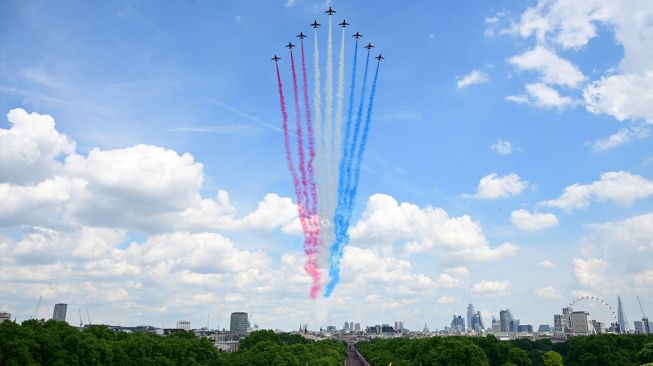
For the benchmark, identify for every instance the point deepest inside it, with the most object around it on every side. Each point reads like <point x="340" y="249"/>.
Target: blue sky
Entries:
<point x="569" y="105"/>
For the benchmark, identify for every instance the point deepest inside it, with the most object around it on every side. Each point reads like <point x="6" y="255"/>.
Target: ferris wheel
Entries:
<point x="595" y="300"/>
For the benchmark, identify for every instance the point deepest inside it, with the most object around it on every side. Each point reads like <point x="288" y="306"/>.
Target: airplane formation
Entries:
<point x="316" y="25"/>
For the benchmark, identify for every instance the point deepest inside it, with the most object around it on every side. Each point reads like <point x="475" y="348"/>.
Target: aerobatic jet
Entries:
<point x="315" y="24"/>
<point x="343" y="24"/>
<point x="369" y="46"/>
<point x="275" y="58"/>
<point x="290" y="45"/>
<point x="330" y="11"/>
<point x="301" y="35"/>
<point x="379" y="57"/>
<point x="357" y="35"/>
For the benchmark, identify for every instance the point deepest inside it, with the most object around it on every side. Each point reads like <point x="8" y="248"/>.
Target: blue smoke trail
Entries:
<point x="344" y="207"/>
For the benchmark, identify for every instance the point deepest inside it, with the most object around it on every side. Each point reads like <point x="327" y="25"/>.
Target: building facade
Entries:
<point x="183" y="324"/>
<point x="60" y="312"/>
<point x="239" y="323"/>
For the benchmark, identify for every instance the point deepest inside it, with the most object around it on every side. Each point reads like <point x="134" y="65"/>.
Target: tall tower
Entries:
<point x="470" y="315"/>
<point x="60" y="312"/>
<point x="239" y="323"/>
<point x="621" y="317"/>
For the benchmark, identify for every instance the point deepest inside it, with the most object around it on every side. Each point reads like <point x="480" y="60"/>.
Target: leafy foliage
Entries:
<point x="39" y="342"/>
<point x="605" y="349"/>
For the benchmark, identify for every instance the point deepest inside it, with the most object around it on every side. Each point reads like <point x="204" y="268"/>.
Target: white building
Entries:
<point x="183" y="324"/>
<point x="581" y="324"/>
<point x="5" y="317"/>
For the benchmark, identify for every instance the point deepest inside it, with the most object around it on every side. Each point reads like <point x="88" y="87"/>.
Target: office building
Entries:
<point x="183" y="324"/>
<point x="331" y="329"/>
<point x="477" y="322"/>
<point x="399" y="325"/>
<point x="60" y="312"/>
<point x="526" y="328"/>
<point x="580" y="323"/>
<point x="505" y="320"/>
<point x="5" y="317"/>
<point x="458" y="323"/>
<point x="239" y="323"/>
<point x="346" y="327"/>
<point x="357" y="327"/>
<point x="470" y="314"/>
<point x="599" y="327"/>
<point x="544" y="328"/>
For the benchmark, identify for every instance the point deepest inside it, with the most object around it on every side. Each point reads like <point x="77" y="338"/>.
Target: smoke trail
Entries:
<point x="338" y="230"/>
<point x="366" y="129"/>
<point x="338" y="125"/>
<point x="319" y="128"/>
<point x="314" y="223"/>
<point x="328" y="117"/>
<point x="310" y="239"/>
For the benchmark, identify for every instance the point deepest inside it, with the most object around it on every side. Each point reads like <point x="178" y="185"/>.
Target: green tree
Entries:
<point x="645" y="355"/>
<point x="519" y="357"/>
<point x="552" y="358"/>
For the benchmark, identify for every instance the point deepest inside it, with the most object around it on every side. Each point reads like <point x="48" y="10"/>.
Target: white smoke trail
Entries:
<point x="340" y="96"/>
<point x="320" y="163"/>
<point x="328" y="136"/>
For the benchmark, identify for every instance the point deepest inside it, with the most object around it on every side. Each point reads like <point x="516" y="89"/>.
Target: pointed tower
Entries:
<point x="621" y="317"/>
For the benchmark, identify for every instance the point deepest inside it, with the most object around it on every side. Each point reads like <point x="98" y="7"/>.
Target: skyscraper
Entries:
<point x="458" y="323"/>
<point x="621" y="317"/>
<point x="505" y="319"/>
<point x="239" y="323"/>
<point x="60" y="312"/>
<point x="470" y="313"/>
<point x="580" y="323"/>
<point x="477" y="322"/>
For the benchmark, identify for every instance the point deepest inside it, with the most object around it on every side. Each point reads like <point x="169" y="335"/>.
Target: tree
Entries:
<point x="645" y="355"/>
<point x="552" y="358"/>
<point x="519" y="357"/>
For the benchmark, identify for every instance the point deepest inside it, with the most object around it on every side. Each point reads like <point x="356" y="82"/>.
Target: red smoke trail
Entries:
<point x="311" y="144"/>
<point x="310" y="223"/>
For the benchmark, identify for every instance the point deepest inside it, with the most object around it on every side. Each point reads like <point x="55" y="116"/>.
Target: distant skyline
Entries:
<point x="509" y="165"/>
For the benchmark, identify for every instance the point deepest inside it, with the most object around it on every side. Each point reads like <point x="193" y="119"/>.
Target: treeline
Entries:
<point x="39" y="342"/>
<point x="605" y="349"/>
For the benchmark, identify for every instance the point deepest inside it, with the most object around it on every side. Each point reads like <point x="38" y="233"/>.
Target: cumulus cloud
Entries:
<point x="624" y="97"/>
<point x="623" y="93"/>
<point x="621" y="187"/>
<point x="493" y="186"/>
<point x="643" y="279"/>
<point x="621" y="137"/>
<point x="635" y="232"/>
<point x="453" y="277"/>
<point x="425" y="229"/>
<point x="502" y="147"/>
<point x="532" y="221"/>
<point x="591" y="272"/>
<point x="547" y="292"/>
<point x="447" y="299"/>
<point x="474" y="77"/>
<point x="30" y="149"/>
<point x="491" y="288"/>
<point x="551" y="68"/>
<point x="546" y="264"/>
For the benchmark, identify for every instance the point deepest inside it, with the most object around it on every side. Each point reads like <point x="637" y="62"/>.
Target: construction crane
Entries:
<point x="38" y="304"/>
<point x="81" y="323"/>
<point x="89" y="318"/>
<point x="644" y="318"/>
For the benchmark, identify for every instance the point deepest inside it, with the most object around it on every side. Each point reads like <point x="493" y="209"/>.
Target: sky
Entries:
<point x="142" y="172"/>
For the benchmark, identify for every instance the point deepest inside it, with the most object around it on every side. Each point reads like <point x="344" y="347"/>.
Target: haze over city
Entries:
<point x="143" y="180"/>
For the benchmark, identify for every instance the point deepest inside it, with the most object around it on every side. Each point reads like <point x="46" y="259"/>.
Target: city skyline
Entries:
<point x="143" y="180"/>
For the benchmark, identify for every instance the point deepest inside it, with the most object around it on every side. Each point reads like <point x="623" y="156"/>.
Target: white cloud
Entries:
<point x="547" y="292"/>
<point x="621" y="187"/>
<point x="453" y="277"/>
<point x="643" y="279"/>
<point x="546" y="264"/>
<point x="425" y="229"/>
<point x="502" y="147"/>
<point x="552" y="68"/>
<point x="571" y="24"/>
<point x="532" y="221"/>
<point x="542" y="95"/>
<point x="621" y="137"/>
<point x="590" y="272"/>
<point x="474" y="77"/>
<point x="491" y="288"/>
<point x="30" y="148"/>
<point x="493" y="186"/>
<point x="447" y="299"/>
<point x="627" y="96"/>
<point x="635" y="232"/>
<point x="519" y="99"/>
